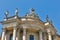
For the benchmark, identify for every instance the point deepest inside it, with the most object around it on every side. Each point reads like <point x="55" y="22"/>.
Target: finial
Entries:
<point x="16" y="12"/>
<point x="6" y="15"/>
<point x="31" y="11"/>
<point x="47" y="18"/>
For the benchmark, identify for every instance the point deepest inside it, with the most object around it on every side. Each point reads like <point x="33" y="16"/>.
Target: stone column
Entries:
<point x="8" y="36"/>
<point x="24" y="33"/>
<point x="45" y="36"/>
<point x="49" y="34"/>
<point x="40" y="35"/>
<point x="5" y="37"/>
<point x="18" y="34"/>
<point x="14" y="33"/>
<point x="3" y="33"/>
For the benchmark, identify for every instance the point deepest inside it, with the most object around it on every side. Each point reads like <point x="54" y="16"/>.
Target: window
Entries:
<point x="11" y="37"/>
<point x="31" y="37"/>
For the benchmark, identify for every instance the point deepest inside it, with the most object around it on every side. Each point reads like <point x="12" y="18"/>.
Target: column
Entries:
<point x="18" y="35"/>
<point x="14" y="33"/>
<point x="24" y="33"/>
<point x="49" y="34"/>
<point x="8" y="36"/>
<point x="45" y="36"/>
<point x="40" y="35"/>
<point x="5" y="37"/>
<point x="3" y="33"/>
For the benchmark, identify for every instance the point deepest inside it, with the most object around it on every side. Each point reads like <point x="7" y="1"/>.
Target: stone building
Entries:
<point x="28" y="27"/>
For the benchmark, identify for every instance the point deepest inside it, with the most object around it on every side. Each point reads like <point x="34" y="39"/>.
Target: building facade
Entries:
<point x="28" y="27"/>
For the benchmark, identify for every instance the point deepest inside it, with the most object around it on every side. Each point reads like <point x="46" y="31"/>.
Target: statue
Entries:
<point x="31" y="11"/>
<point x="16" y="12"/>
<point x="6" y="14"/>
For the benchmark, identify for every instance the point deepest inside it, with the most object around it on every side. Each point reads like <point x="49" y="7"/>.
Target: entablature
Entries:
<point x="13" y="24"/>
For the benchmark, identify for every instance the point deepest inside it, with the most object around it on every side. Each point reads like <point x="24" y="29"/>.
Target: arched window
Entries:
<point x="11" y="37"/>
<point x="31" y="37"/>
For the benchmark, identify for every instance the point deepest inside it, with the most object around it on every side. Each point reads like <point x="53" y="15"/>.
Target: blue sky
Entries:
<point x="42" y="8"/>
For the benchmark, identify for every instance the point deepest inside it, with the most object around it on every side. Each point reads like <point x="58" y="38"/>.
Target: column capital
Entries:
<point x="4" y="29"/>
<point x="48" y="30"/>
<point x="14" y="27"/>
<point x="40" y="30"/>
<point x="24" y="28"/>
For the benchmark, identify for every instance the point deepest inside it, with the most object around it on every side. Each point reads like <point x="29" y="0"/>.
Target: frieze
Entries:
<point x="31" y="26"/>
<point x="10" y="24"/>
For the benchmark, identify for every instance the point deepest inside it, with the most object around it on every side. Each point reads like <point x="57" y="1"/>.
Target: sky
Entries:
<point x="42" y="8"/>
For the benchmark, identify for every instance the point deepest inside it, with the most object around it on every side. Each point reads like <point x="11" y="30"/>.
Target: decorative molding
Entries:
<point x="24" y="19"/>
<point x="31" y="26"/>
<point x="10" y="25"/>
